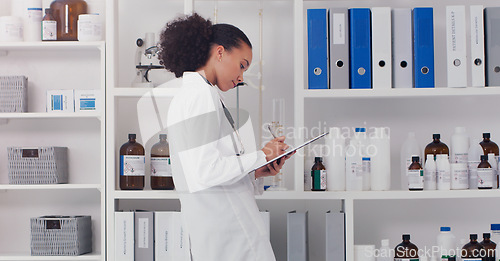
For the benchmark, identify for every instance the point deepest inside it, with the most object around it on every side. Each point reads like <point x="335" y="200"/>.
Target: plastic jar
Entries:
<point x="89" y="27"/>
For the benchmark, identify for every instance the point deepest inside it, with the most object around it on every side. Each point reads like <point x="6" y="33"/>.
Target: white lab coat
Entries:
<point x="216" y="190"/>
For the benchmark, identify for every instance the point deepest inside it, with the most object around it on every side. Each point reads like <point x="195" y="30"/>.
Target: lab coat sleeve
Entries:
<point x="203" y="163"/>
<point x="258" y="184"/>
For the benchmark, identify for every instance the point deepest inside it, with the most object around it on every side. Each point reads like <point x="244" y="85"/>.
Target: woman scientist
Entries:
<point x="211" y="159"/>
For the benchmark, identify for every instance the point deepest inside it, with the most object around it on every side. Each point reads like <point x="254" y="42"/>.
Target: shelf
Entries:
<point x="51" y="187"/>
<point x="46" y="115"/>
<point x="410" y="92"/>
<point x="55" y="46"/>
<point x="309" y="195"/>
<point x="147" y="92"/>
<point x="145" y="194"/>
<point x="27" y="257"/>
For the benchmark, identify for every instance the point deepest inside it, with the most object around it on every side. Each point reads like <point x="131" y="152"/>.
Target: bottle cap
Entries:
<point x="452" y="258"/>
<point x="484" y="157"/>
<point x="486" y="135"/>
<point x="486" y="235"/>
<point x="318" y="159"/>
<point x="441" y="156"/>
<point x="445" y="229"/>
<point x="365" y="159"/>
<point x="495" y="226"/>
<point x="430" y="156"/>
<point x="406" y="237"/>
<point x="360" y="129"/>
<point x="384" y="242"/>
<point x="473" y="236"/>
<point x="436" y="136"/>
<point x="415" y="158"/>
<point x="460" y="129"/>
<point x="163" y="136"/>
<point x="131" y="136"/>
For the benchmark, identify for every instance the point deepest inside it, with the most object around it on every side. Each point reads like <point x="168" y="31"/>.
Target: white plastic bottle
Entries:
<point x="33" y="21"/>
<point x="409" y="148"/>
<point x="459" y="176"/>
<point x="474" y="158"/>
<point x="385" y="253"/>
<point x="379" y="151"/>
<point x="459" y="146"/>
<point x="447" y="243"/>
<point x="353" y="166"/>
<point x="430" y="173"/>
<point x="335" y="160"/>
<point x="443" y="172"/>
<point x="495" y="237"/>
<point x="493" y="160"/>
<point x="366" y="172"/>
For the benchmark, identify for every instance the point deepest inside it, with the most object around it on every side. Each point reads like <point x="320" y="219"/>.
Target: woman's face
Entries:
<point x="231" y="65"/>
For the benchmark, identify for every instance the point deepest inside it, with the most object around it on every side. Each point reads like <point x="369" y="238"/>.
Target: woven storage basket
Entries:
<point x="61" y="235"/>
<point x="13" y="94"/>
<point x="42" y="165"/>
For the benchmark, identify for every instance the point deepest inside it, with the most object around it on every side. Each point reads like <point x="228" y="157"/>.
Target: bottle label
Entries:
<point x="460" y="157"/>
<point x="160" y="167"/>
<point x="460" y="178"/>
<point x="34" y="15"/>
<point x="443" y="176"/>
<point x="319" y="179"/>
<point x="415" y="178"/>
<point x="49" y="30"/>
<point x="484" y="177"/>
<point x="430" y="176"/>
<point x="132" y="165"/>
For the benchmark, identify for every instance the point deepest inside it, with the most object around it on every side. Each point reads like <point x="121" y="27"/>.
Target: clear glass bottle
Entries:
<point x="66" y="14"/>
<point x="436" y="147"/>
<point x="161" y="171"/>
<point x="406" y="250"/>
<point x="318" y="173"/>
<point x="49" y="26"/>
<point x="132" y="165"/>
<point x="472" y="250"/>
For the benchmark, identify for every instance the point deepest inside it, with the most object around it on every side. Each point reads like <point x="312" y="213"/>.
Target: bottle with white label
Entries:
<point x="447" y="243"/>
<point x="335" y="160"/>
<point x="318" y="173"/>
<point x="132" y="165"/>
<point x="366" y="170"/>
<point x="459" y="146"/>
<point x="459" y="176"/>
<point x="475" y="152"/>
<point x="406" y="250"/>
<point x="443" y="172"/>
<point x="379" y="151"/>
<point x="353" y="166"/>
<point x="161" y="170"/>
<point x="484" y="174"/>
<point x="415" y="175"/>
<point x="385" y="251"/>
<point x="49" y="26"/>
<point x="33" y="21"/>
<point x="409" y="148"/>
<point x="430" y="173"/>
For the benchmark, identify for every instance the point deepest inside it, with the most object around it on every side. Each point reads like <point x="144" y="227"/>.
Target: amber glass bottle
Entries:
<point x="472" y="249"/>
<point x="488" y="145"/>
<point x="161" y="171"/>
<point x="415" y="175"/>
<point x="49" y="26"/>
<point x="66" y="13"/>
<point x="489" y="246"/>
<point x="132" y="165"/>
<point x="484" y="174"/>
<point x="406" y="249"/>
<point x="436" y="147"/>
<point x="318" y="173"/>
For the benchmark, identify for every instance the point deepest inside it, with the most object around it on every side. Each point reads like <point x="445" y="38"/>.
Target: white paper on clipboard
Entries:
<point x="292" y="150"/>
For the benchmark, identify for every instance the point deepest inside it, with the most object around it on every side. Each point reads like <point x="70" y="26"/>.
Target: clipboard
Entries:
<point x="292" y="150"/>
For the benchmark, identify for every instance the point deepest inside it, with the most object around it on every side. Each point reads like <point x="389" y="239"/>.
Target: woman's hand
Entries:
<point x="275" y="147"/>
<point x="272" y="168"/>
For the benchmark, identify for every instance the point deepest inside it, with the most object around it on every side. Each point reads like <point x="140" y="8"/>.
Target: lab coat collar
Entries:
<point x="195" y="77"/>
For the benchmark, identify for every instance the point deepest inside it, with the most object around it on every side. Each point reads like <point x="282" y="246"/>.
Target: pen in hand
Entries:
<point x="271" y="131"/>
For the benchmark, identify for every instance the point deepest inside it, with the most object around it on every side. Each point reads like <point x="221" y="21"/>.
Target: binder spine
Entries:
<point x="477" y="46"/>
<point x="360" y="48"/>
<point x="423" y="45"/>
<point x="317" y="39"/>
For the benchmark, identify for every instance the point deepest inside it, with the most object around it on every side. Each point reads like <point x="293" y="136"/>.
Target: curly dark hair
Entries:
<point x="186" y="41"/>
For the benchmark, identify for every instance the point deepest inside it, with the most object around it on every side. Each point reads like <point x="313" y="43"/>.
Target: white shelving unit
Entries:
<point x="54" y="65"/>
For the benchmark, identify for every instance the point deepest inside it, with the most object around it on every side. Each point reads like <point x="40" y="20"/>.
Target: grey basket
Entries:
<point x="61" y="235"/>
<point x="40" y="165"/>
<point x="13" y="94"/>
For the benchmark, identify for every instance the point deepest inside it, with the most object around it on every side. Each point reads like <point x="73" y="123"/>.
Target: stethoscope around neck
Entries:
<point x="229" y="118"/>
